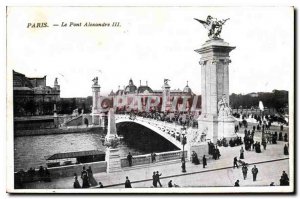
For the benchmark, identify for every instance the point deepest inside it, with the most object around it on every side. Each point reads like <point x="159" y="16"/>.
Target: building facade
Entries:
<point x="32" y="96"/>
<point x="163" y="100"/>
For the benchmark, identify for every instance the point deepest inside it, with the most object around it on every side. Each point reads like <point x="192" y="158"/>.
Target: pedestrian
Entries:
<point x="170" y="183"/>
<point x="83" y="171"/>
<point x="285" y="150"/>
<point x="280" y="136"/>
<point x="195" y="159"/>
<point x="254" y="172"/>
<point x="127" y="183"/>
<point x="92" y="180"/>
<point x="100" y="185"/>
<point x="253" y="144"/>
<point x="242" y="153"/>
<point x="237" y="183"/>
<point x="204" y="161"/>
<point x="129" y="158"/>
<point x="153" y="157"/>
<point x="218" y="153"/>
<point x="264" y="143"/>
<point x="235" y="164"/>
<point x="284" y="180"/>
<point x="157" y="178"/>
<point x="154" y="179"/>
<point x="85" y="181"/>
<point x="285" y="137"/>
<point x="244" y="171"/>
<point x="76" y="184"/>
<point x="214" y="153"/>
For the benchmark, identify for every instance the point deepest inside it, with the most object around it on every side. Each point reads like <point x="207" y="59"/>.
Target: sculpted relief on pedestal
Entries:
<point x="223" y="108"/>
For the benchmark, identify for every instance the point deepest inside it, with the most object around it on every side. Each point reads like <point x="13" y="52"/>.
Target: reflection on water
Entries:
<point x="30" y="151"/>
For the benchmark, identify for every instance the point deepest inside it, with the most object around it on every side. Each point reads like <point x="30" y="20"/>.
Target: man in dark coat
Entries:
<point x="218" y="153"/>
<point x="244" y="171"/>
<point x="285" y="137"/>
<point x="235" y="164"/>
<point x="254" y="172"/>
<point x="154" y="179"/>
<point x="129" y="158"/>
<point x="285" y="150"/>
<point x="242" y="153"/>
<point x="153" y="157"/>
<point x="157" y="178"/>
<point x="215" y="153"/>
<point x="204" y="161"/>
<point x="127" y="183"/>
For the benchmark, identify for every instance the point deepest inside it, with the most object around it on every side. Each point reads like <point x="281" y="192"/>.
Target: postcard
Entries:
<point x="150" y="99"/>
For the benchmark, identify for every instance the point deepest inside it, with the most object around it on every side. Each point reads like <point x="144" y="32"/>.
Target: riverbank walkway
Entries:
<point x="270" y="163"/>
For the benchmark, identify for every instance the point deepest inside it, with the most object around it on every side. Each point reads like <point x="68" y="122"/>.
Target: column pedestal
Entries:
<point x="112" y="157"/>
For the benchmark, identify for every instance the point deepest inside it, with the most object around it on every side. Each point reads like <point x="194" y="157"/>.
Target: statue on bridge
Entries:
<point x="95" y="80"/>
<point x="166" y="81"/>
<point x="213" y="25"/>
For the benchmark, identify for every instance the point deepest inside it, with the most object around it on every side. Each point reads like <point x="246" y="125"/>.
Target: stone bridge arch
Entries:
<point x="150" y="125"/>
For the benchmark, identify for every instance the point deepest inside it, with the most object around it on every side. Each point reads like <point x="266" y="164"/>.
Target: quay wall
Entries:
<point x="19" y="133"/>
<point x="67" y="171"/>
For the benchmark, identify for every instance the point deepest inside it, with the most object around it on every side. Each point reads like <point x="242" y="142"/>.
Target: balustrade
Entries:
<point x="146" y="159"/>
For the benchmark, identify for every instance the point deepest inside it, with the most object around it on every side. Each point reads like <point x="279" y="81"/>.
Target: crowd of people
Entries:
<point x="32" y="175"/>
<point x="87" y="178"/>
<point x="213" y="150"/>
<point x="182" y="118"/>
<point x="237" y="141"/>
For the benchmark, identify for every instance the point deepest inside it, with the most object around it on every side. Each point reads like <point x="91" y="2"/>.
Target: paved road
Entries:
<point x="141" y="177"/>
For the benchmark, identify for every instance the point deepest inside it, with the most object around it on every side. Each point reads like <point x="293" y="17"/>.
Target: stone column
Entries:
<point x="214" y="85"/>
<point x="166" y="97"/>
<point x="96" y="101"/>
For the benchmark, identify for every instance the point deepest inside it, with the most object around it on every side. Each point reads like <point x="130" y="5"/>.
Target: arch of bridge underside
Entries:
<point x="163" y="131"/>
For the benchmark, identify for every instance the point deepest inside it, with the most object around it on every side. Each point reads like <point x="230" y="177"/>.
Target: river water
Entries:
<point x="30" y="151"/>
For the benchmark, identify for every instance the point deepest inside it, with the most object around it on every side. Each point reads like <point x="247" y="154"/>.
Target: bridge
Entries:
<point x="170" y="131"/>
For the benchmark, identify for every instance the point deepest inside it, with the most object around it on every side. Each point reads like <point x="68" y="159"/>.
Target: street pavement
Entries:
<point x="270" y="163"/>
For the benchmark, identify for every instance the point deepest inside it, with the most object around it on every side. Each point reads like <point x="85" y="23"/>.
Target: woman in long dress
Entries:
<point x="92" y="180"/>
<point x="76" y="183"/>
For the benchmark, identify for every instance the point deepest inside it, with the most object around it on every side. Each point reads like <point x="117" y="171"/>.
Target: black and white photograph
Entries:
<point x="136" y="99"/>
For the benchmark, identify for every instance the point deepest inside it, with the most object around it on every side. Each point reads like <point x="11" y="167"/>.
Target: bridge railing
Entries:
<point x="146" y="159"/>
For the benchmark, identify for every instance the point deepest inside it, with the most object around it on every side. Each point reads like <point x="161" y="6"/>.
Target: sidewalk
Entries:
<point x="142" y="176"/>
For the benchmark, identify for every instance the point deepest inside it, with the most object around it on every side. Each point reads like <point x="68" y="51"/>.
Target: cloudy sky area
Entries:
<point x="151" y="44"/>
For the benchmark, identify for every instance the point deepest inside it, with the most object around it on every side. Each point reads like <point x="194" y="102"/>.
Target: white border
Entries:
<point x="105" y="3"/>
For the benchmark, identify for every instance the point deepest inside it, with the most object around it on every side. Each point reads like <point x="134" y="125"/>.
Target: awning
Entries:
<point x="75" y="154"/>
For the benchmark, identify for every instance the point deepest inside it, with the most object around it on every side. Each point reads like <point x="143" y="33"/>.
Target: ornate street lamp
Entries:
<point x="183" y="142"/>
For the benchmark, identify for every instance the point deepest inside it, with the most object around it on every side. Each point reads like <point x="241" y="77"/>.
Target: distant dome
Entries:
<point x="131" y="88"/>
<point x="187" y="89"/>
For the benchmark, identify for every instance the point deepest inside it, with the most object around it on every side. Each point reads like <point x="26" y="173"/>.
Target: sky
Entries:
<point x="151" y="44"/>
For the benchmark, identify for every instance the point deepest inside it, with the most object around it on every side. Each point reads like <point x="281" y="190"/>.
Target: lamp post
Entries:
<point x="183" y="143"/>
